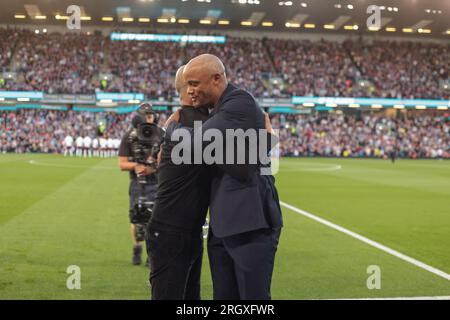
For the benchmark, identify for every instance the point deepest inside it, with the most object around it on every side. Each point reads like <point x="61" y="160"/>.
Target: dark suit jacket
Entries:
<point x="251" y="203"/>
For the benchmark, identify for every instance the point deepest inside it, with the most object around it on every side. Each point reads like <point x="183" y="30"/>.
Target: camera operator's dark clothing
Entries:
<point x="174" y="233"/>
<point x="149" y="188"/>
<point x="133" y="192"/>
<point x="126" y="150"/>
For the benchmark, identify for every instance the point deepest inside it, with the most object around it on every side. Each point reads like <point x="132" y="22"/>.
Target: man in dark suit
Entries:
<point x="245" y="213"/>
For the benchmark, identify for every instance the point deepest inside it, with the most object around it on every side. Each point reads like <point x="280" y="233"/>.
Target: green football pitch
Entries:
<point x="342" y="217"/>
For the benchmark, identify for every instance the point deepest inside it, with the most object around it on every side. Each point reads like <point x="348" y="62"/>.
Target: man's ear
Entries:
<point x="216" y="77"/>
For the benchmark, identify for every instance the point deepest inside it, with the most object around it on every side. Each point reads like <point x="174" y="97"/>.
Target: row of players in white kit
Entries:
<point x="88" y="147"/>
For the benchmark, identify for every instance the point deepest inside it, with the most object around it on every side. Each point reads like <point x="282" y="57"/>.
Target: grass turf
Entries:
<point x="60" y="211"/>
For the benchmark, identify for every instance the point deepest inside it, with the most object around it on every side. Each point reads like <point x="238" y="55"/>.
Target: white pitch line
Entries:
<point x="333" y="168"/>
<point x="315" y="167"/>
<point x="372" y="243"/>
<point x="58" y="165"/>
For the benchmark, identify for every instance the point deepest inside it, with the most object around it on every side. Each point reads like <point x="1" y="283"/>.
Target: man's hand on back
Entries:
<point x="158" y="158"/>
<point x="268" y="124"/>
<point x="174" y="117"/>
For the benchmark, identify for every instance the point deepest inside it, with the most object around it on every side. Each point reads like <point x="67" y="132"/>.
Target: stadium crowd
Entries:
<point x="332" y="135"/>
<point x="315" y="69"/>
<point x="7" y="36"/>
<point x="56" y="63"/>
<point x="338" y="135"/>
<point x="403" y="69"/>
<point x="142" y="67"/>
<point x="36" y="130"/>
<point x="76" y="63"/>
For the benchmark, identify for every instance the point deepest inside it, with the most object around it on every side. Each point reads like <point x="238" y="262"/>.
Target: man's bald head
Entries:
<point x="181" y="87"/>
<point x="206" y="79"/>
<point x="208" y="63"/>
<point x="179" y="83"/>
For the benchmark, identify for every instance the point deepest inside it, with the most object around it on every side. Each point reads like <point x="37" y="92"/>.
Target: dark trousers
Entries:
<point x="175" y="262"/>
<point x="242" y="265"/>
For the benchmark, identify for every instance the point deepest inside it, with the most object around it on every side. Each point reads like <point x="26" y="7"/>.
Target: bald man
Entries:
<point x="245" y="213"/>
<point x="175" y="233"/>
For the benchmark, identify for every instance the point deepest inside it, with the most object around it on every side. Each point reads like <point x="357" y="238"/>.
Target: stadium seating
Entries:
<point x="76" y="63"/>
<point x="68" y="63"/>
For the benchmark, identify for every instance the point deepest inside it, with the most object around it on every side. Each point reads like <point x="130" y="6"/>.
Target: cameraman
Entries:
<point x="142" y="174"/>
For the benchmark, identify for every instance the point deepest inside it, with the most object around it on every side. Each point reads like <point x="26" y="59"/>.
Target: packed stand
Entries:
<point x="55" y="63"/>
<point x="8" y="38"/>
<point x="336" y="135"/>
<point x="408" y="70"/>
<point x="331" y="135"/>
<point x="315" y="69"/>
<point x="37" y="130"/>
<point x="78" y="64"/>
<point x="145" y="67"/>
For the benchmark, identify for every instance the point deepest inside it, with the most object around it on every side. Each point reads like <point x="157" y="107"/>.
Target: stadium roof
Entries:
<point x="427" y="17"/>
